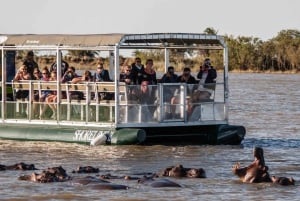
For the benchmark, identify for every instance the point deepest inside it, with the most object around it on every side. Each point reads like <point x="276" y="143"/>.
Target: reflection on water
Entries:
<point x="267" y="105"/>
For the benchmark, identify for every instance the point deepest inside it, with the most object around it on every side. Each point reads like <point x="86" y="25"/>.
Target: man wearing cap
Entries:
<point x="30" y="63"/>
<point x="207" y="75"/>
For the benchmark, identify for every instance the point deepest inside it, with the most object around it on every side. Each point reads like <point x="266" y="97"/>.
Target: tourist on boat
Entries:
<point x="144" y="97"/>
<point x="86" y="77"/>
<point x="45" y="75"/>
<point x="125" y="75"/>
<point x="177" y="98"/>
<point x="69" y="75"/>
<point x="169" y="77"/>
<point x="22" y="74"/>
<point x="37" y="75"/>
<point x="137" y="69"/>
<point x="101" y="74"/>
<point x="149" y="73"/>
<point x="64" y="66"/>
<point x="30" y="63"/>
<point x="207" y="75"/>
<point x="194" y="106"/>
<point x="51" y="98"/>
<point x="187" y="77"/>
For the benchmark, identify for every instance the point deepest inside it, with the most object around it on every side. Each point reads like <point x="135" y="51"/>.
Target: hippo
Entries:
<point x="98" y="184"/>
<point x="180" y="171"/>
<point x="126" y="177"/>
<point x="157" y="183"/>
<point x="54" y="174"/>
<point x="256" y="172"/>
<point x="86" y="169"/>
<point x="2" y="167"/>
<point x="283" y="180"/>
<point x="21" y="166"/>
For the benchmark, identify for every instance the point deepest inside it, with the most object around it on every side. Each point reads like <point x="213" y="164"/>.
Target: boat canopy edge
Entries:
<point x="122" y="40"/>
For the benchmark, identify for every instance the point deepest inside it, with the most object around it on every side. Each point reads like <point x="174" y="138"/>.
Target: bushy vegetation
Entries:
<point x="281" y="53"/>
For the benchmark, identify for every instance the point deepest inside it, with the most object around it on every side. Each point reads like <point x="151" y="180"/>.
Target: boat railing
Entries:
<point x="78" y="103"/>
<point x="177" y="103"/>
<point x="101" y="103"/>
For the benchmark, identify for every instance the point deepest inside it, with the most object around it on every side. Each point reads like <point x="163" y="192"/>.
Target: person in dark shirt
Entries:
<point x="170" y="76"/>
<point x="137" y="70"/>
<point x="149" y="74"/>
<point x="126" y="75"/>
<point x="101" y="75"/>
<point x="145" y="97"/>
<point x="64" y="66"/>
<point x="30" y="63"/>
<point x="187" y="77"/>
<point x="207" y="75"/>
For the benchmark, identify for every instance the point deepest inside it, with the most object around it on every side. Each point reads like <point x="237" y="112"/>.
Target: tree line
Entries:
<point x="281" y="53"/>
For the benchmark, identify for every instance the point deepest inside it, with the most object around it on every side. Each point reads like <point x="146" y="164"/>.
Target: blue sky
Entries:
<point x="257" y="18"/>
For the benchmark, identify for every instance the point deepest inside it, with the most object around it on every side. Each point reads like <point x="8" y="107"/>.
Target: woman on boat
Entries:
<point x="44" y="93"/>
<point x="144" y="99"/>
<point x="125" y="75"/>
<point x="22" y="74"/>
<point x="149" y="73"/>
<point x="51" y="98"/>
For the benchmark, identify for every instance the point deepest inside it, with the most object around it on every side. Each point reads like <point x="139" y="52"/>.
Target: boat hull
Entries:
<point x="210" y="134"/>
<point x="197" y="135"/>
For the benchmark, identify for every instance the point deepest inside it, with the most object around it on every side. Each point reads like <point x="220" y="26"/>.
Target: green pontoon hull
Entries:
<point x="216" y="134"/>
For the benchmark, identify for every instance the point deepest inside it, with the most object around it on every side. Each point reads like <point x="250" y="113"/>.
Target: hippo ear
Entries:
<point x="292" y="180"/>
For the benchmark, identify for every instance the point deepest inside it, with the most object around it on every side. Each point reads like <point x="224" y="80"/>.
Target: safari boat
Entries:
<point x="94" y="120"/>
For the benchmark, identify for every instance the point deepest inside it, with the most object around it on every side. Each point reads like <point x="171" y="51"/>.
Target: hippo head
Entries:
<point x="283" y="180"/>
<point x="258" y="154"/>
<point x="177" y="171"/>
<point x="196" y="173"/>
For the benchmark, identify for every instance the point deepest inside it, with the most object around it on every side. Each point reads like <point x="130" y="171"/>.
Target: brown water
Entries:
<point x="267" y="105"/>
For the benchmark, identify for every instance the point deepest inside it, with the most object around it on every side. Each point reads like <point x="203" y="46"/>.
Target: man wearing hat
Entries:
<point x="30" y="63"/>
<point x="207" y="75"/>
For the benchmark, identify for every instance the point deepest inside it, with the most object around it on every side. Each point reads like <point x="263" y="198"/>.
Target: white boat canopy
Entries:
<point x="163" y="40"/>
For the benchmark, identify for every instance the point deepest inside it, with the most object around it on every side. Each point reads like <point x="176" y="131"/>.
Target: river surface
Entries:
<point x="268" y="105"/>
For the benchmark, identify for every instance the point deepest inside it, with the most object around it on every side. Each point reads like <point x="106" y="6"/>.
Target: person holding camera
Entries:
<point x="69" y="75"/>
<point x="187" y="77"/>
<point x="170" y="76"/>
<point x="207" y="75"/>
